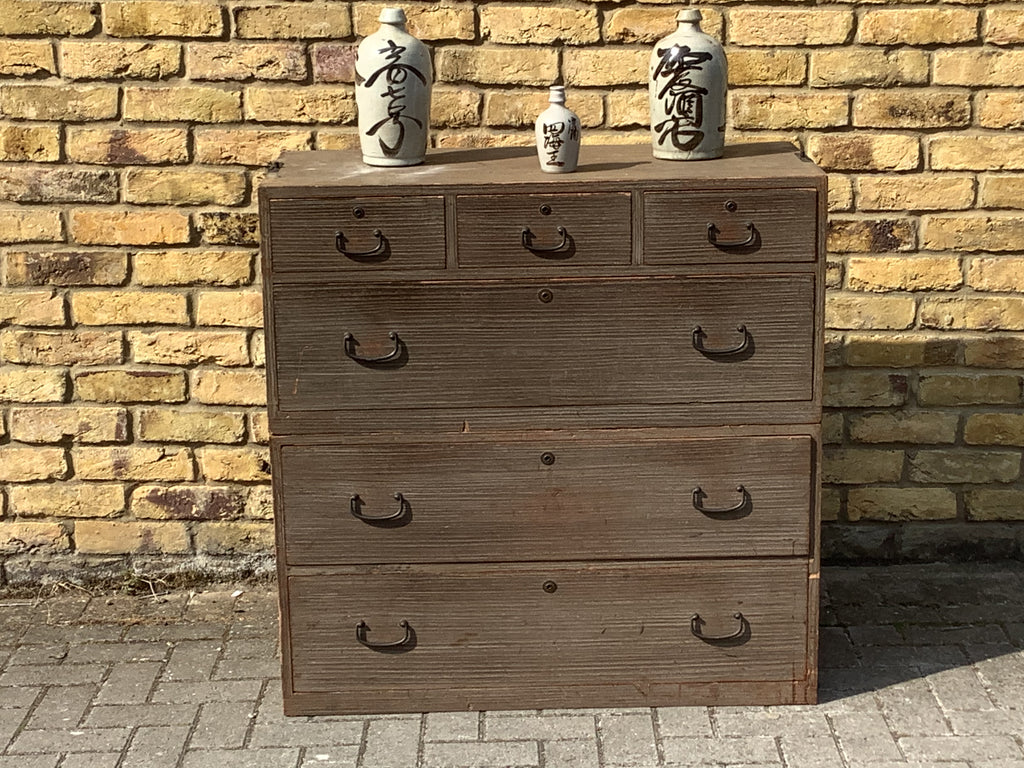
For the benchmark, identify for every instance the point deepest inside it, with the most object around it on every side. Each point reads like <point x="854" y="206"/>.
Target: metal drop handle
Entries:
<point x="378" y="250"/>
<point x="403" y="510"/>
<point x="698" y="502"/>
<point x="696" y="622"/>
<point x="362" y="628"/>
<point x="527" y="238"/>
<point x="698" y="343"/>
<point x="713" y="237"/>
<point x="390" y="357"/>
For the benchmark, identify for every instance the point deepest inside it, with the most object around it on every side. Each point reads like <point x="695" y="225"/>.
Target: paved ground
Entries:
<point x="921" y="666"/>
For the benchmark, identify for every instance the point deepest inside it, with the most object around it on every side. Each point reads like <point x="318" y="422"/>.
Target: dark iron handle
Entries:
<point x="403" y="509"/>
<point x="699" y="506"/>
<point x="696" y="622"/>
<point x="713" y="237"/>
<point x="698" y="343"/>
<point x="390" y="357"/>
<point x="377" y="250"/>
<point x="562" y="246"/>
<point x="361" y="629"/>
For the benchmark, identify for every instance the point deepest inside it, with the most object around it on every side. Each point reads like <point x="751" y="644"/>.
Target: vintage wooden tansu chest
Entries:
<point x="545" y="441"/>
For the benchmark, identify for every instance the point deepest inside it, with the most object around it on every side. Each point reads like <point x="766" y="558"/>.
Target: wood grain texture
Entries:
<point x="676" y="226"/>
<point x="598" y="342"/>
<point x="496" y="629"/>
<point x="490" y="230"/>
<point x="494" y="501"/>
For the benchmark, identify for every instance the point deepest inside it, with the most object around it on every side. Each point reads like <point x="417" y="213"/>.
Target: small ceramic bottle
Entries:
<point x="558" y="135"/>
<point x="393" y="84"/>
<point x="687" y="93"/>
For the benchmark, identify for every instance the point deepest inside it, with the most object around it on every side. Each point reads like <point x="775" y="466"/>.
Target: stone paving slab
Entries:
<point x="921" y="667"/>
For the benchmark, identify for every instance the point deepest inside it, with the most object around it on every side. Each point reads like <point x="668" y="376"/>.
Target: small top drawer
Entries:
<point x="357" y="234"/>
<point x="544" y="230"/>
<point x="731" y="226"/>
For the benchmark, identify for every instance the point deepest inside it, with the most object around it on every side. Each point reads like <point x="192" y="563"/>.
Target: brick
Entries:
<point x="120" y="146"/>
<point x="133" y="463"/>
<point x="35" y="184"/>
<point x="427" y="20"/>
<point x="605" y="66"/>
<point x="193" y="103"/>
<point x="832" y="428"/>
<point x="106" y="307"/>
<point x="973" y="67"/>
<point x="539" y="25"/>
<point x="777" y="27"/>
<point x="301" y="104"/>
<point x="1004" y="25"/>
<point x="174" y="425"/>
<point x="864" y="152"/>
<point x="31" y="308"/>
<point x="187" y="502"/>
<point x="160" y="18"/>
<point x="918" y="26"/>
<point x="230" y="308"/>
<point x="177" y="187"/>
<point x="22" y="463"/>
<point x="863" y="389"/>
<point x="103" y="537"/>
<point x="234" y="464"/>
<point x="234" y="538"/>
<point x="767" y="67"/>
<point x="628" y="108"/>
<point x="987" y="504"/>
<point x="27" y="58"/>
<point x="906" y="108"/>
<point x="455" y="108"/>
<point x="245" y="61"/>
<point x="639" y="24"/>
<point x="977" y="153"/>
<point x="60" y="347"/>
<point x="970" y="313"/>
<point x="259" y="349"/>
<point x="994" y="429"/>
<point x="29" y="143"/>
<point x="299" y="21"/>
<point x="335" y="63"/>
<point x="259" y="428"/>
<point x="920" y="192"/>
<point x="857" y="311"/>
<point x="105" y="227"/>
<point x="236" y="146"/>
<point x="192" y="267"/>
<point x="960" y="465"/>
<point x="861" y="465"/>
<point x="94" y="60"/>
<point x="955" y="389"/>
<point x="867" y="66"/>
<point x="20" y="538"/>
<point x="781" y="109"/>
<point x="64" y="268"/>
<point x="260" y="503"/>
<point x="35" y="17"/>
<point x="903" y="351"/>
<point x="994" y="351"/>
<point x="920" y="427"/>
<point x="128" y="386"/>
<point x="899" y="504"/>
<point x="1000" y="109"/>
<point x="973" y="232"/>
<point x="220" y="387"/>
<point x="59" y="102"/>
<point x="840" y="192"/>
<point x="520" y="108"/>
<point x="871" y="235"/>
<point x="1004" y="273"/>
<point x="30" y="225"/>
<point x="68" y="500"/>
<point x="919" y="273"/>
<point x="189" y="347"/>
<point x="218" y="228"/>
<point x="504" y="65"/>
<point x="32" y="385"/>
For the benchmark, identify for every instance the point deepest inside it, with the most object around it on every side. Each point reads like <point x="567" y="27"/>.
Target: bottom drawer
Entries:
<point x="415" y="638"/>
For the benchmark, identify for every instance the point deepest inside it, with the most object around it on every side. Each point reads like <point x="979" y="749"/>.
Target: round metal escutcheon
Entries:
<point x="547" y="458"/>
<point x="545" y="210"/>
<point x="545" y="295"/>
<point x="731" y="206"/>
<point x="549" y="586"/>
<point x="358" y="212"/>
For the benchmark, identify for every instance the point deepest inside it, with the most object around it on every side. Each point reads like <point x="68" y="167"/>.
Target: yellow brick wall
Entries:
<point x="133" y="134"/>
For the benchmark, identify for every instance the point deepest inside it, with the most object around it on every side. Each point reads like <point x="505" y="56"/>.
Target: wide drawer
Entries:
<point x="352" y="235"/>
<point x="564" y="230"/>
<point x="657" y="340"/>
<point x="543" y="634"/>
<point x="728" y="227"/>
<point x="472" y="501"/>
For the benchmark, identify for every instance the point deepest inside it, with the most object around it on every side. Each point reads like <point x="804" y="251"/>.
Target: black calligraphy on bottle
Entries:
<point x="395" y="76"/>
<point x="682" y="99"/>
<point x="553" y="140"/>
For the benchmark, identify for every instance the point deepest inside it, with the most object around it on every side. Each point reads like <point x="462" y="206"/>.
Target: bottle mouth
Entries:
<point x="556" y="94"/>
<point x="392" y="16"/>
<point x="689" y="15"/>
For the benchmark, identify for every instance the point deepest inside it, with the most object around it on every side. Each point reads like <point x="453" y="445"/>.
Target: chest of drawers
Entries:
<point x="545" y="441"/>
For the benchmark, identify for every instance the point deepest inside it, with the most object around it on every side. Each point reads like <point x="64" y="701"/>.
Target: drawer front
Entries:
<point x="544" y="500"/>
<point x="730" y="227"/>
<point x="544" y="627"/>
<point x="311" y="234"/>
<point x="563" y="230"/>
<point x="666" y="340"/>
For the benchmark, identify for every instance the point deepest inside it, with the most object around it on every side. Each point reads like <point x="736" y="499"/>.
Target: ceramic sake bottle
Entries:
<point x="558" y="135"/>
<point x="393" y="83"/>
<point x="687" y="93"/>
